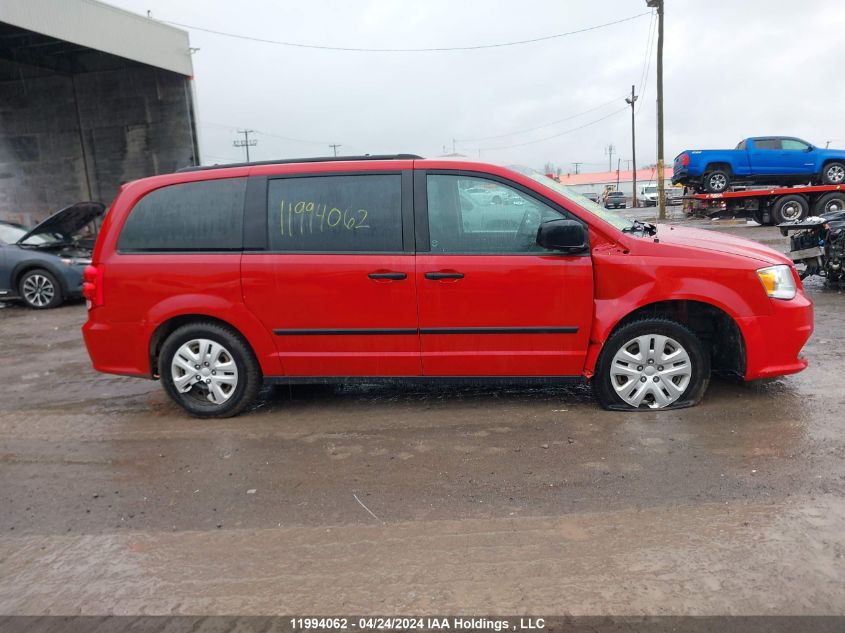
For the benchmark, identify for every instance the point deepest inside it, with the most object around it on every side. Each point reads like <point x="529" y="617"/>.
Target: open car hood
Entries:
<point x="68" y="221"/>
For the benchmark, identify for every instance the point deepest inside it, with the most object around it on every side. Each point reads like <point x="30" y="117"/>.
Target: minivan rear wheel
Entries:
<point x="209" y="370"/>
<point x="653" y="363"/>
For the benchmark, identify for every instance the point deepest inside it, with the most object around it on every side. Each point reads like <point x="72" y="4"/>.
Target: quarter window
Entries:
<point x="195" y="216"/>
<point x="336" y="213"/>
<point x="474" y="215"/>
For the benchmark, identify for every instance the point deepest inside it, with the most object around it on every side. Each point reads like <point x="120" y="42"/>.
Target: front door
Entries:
<point x="491" y="301"/>
<point x="797" y="157"/>
<point x="335" y="284"/>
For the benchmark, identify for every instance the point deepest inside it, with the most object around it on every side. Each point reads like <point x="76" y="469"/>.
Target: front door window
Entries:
<point x="475" y="215"/>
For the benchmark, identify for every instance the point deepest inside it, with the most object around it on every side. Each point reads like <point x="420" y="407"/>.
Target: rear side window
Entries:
<point x="194" y="216"/>
<point x="361" y="213"/>
<point x="767" y="143"/>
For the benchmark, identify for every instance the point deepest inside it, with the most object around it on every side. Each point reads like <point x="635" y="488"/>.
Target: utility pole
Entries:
<point x="577" y="165"/>
<point x="632" y="100"/>
<point x="661" y="193"/>
<point x="609" y="150"/>
<point x="247" y="142"/>
<point x="618" y="165"/>
<point x="334" y="146"/>
<point x="827" y="145"/>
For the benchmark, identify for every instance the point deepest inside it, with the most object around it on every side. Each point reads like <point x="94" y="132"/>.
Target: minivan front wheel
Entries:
<point x="653" y="363"/>
<point x="209" y="370"/>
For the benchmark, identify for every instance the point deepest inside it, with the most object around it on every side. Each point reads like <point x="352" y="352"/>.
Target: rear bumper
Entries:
<point x="680" y="176"/>
<point x="117" y="348"/>
<point x="773" y="342"/>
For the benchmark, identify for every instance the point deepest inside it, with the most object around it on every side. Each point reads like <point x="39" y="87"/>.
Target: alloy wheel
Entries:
<point x="718" y="182"/>
<point x="38" y="290"/>
<point x="835" y="174"/>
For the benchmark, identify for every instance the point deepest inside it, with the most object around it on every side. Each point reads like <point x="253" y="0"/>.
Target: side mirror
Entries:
<point x="567" y="236"/>
<point x="810" y="148"/>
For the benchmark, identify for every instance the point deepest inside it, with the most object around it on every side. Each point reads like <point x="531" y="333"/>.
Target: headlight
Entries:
<point x="778" y="281"/>
<point x="76" y="261"/>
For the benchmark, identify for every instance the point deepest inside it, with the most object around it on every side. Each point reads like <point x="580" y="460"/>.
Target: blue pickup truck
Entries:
<point x="759" y="160"/>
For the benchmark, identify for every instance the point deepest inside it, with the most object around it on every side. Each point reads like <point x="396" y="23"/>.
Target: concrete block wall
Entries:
<point x="68" y="138"/>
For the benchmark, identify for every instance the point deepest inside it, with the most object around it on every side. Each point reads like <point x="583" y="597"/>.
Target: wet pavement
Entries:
<point x="413" y="500"/>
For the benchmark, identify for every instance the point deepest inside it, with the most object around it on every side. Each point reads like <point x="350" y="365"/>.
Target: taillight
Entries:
<point x="684" y="159"/>
<point x="92" y="285"/>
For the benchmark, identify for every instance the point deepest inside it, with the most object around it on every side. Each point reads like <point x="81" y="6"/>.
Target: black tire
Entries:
<point x="791" y="208"/>
<point x="40" y="289"/>
<point x="195" y="401"/>
<point x="717" y="181"/>
<point x="833" y="173"/>
<point x="833" y="201"/>
<point x="602" y="381"/>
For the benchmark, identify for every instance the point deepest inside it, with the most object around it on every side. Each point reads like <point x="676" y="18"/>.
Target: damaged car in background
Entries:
<point x="818" y="246"/>
<point x="43" y="266"/>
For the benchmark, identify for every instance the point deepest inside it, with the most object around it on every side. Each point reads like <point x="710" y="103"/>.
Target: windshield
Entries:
<point x="585" y="203"/>
<point x="649" y="189"/>
<point x="10" y="234"/>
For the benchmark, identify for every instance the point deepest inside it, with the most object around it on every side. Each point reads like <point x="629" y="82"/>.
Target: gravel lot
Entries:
<point x="410" y="500"/>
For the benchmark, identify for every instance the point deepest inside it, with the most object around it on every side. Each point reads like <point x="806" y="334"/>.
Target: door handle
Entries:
<point x="437" y="276"/>
<point x="393" y="276"/>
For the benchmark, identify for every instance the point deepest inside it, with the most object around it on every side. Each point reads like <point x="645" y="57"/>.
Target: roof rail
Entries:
<point x="315" y="159"/>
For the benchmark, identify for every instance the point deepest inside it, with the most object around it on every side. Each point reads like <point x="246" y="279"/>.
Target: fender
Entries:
<point x="236" y="315"/>
<point x="659" y="286"/>
<point x="44" y="263"/>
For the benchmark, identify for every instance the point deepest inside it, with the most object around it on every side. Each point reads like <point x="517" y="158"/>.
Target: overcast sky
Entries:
<point x="732" y="69"/>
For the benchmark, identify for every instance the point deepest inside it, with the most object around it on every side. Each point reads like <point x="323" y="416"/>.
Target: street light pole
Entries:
<point x="661" y="193"/>
<point x="631" y="100"/>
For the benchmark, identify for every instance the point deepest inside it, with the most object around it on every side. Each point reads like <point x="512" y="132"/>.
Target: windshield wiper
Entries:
<point x="646" y="228"/>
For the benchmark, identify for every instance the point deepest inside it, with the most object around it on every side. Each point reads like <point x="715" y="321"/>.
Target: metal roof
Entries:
<point x="102" y="27"/>
<point x="644" y="176"/>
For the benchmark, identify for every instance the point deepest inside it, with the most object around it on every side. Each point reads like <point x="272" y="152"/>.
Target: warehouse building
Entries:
<point x="91" y="96"/>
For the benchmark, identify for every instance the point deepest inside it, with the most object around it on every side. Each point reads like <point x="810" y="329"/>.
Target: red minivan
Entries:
<point x="218" y="280"/>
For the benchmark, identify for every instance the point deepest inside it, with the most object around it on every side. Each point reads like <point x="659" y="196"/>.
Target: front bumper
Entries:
<point x="773" y="342"/>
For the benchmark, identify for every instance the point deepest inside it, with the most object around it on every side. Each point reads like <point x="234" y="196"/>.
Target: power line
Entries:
<point x="648" y="53"/>
<point x="263" y="133"/>
<point x="405" y="50"/>
<point x="247" y="142"/>
<point x="548" y="138"/>
<point x="539" y="127"/>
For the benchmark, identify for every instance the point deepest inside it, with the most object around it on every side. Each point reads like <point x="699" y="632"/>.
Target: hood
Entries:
<point x="68" y="221"/>
<point x="719" y="242"/>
